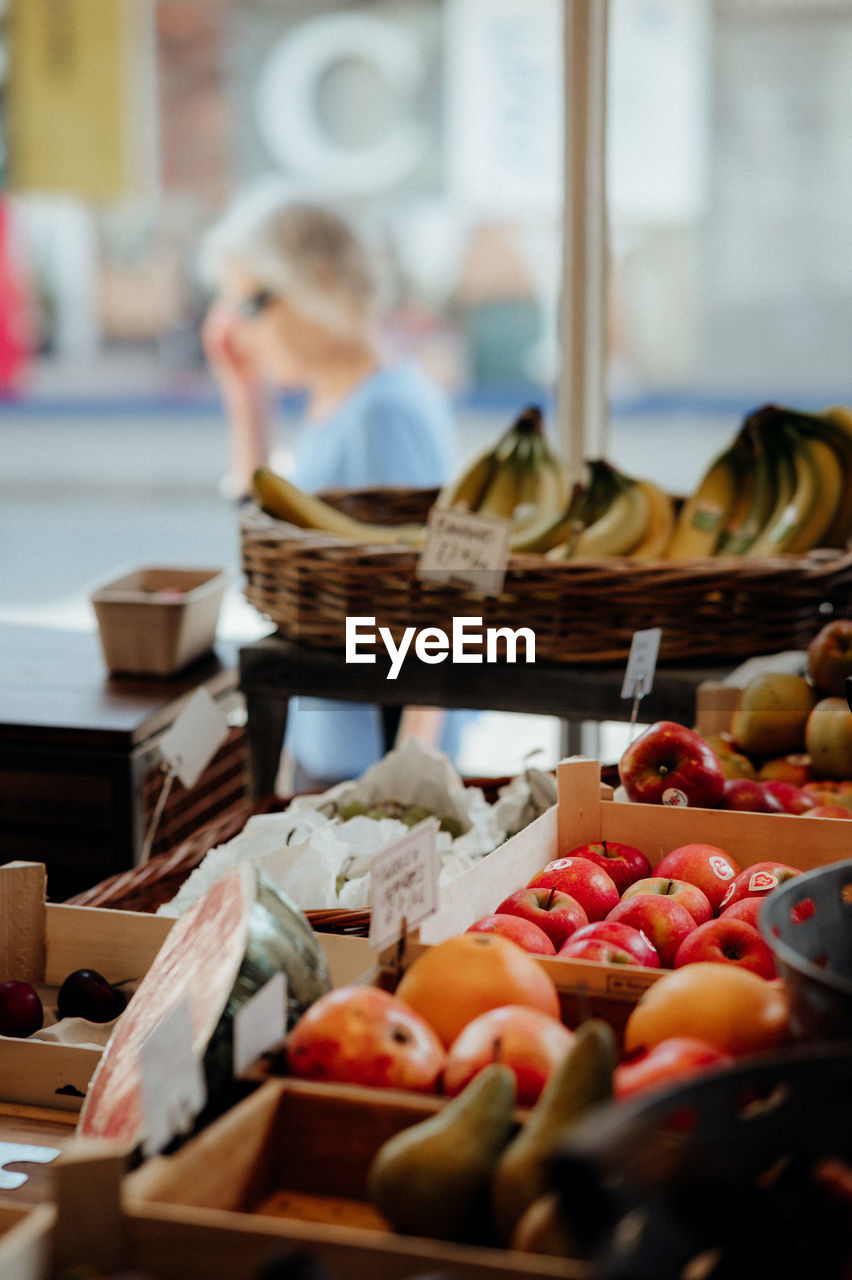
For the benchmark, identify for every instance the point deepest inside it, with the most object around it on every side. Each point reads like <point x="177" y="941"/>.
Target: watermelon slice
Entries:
<point x="217" y="955"/>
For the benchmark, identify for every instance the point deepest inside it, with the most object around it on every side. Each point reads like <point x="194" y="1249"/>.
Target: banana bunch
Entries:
<point x="782" y="487"/>
<point x="520" y="479"/>
<point x="615" y="514"/>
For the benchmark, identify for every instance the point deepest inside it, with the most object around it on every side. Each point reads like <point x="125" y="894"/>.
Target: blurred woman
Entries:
<point x="296" y="310"/>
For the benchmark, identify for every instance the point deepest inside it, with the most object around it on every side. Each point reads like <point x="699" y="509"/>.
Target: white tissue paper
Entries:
<point x="322" y="861"/>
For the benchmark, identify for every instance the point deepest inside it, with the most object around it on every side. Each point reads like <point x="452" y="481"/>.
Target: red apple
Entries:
<point x="670" y="764"/>
<point x="727" y="941"/>
<point x="703" y="864"/>
<point x="21" y="1011"/>
<point x="623" y="936"/>
<point x="828" y="811"/>
<point x="665" y="922"/>
<point x="583" y="880"/>
<point x="830" y="657"/>
<point x="622" y="862"/>
<point x="517" y="929"/>
<point x="527" y="1041"/>
<point x="747" y="909"/>
<point x="747" y="795"/>
<point x="791" y="798"/>
<point x="359" y="1034"/>
<point x="688" y="895"/>
<point x="757" y="880"/>
<point x="667" y="1063"/>
<point x="557" y="914"/>
<point x="598" y="949"/>
<point x="795" y="768"/>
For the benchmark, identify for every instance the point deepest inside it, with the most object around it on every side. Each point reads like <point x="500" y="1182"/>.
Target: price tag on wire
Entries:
<point x="465" y="548"/>
<point x="404" y="884"/>
<point x="641" y="665"/>
<point x="187" y="747"/>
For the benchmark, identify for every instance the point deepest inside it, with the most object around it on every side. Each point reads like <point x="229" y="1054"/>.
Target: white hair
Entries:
<point x="302" y="252"/>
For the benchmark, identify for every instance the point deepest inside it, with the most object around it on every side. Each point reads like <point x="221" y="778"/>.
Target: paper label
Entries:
<point x="721" y="868"/>
<point x="465" y="548"/>
<point x="404" y="884"/>
<point x="260" y="1023"/>
<point x="194" y="737"/>
<point x="641" y="663"/>
<point x="173" y="1088"/>
<point x="762" y="882"/>
<point x="675" y="798"/>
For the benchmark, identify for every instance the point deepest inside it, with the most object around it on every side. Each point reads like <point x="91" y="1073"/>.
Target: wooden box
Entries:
<point x="42" y="942"/>
<point x="292" y="1159"/>
<point x="585" y="812"/>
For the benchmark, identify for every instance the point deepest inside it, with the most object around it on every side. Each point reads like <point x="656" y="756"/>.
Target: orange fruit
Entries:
<point x="727" y="1006"/>
<point x="454" y="981"/>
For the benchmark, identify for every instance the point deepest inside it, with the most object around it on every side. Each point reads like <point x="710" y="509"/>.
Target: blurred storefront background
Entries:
<point x="437" y="125"/>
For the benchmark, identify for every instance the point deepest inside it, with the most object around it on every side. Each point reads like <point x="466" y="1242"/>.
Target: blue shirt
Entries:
<point x="395" y="428"/>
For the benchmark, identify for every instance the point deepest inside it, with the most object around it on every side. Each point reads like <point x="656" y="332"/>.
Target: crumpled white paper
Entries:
<point x="323" y="863"/>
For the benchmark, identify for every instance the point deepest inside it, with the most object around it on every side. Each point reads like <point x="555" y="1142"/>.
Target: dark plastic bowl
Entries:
<point x="807" y="922"/>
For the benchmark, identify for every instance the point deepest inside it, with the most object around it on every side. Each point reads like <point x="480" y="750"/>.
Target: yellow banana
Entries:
<point x="795" y="482"/>
<point x="282" y="499"/>
<point x="661" y="520"/>
<point x="759" y="489"/>
<point x="466" y="490"/>
<point x="549" y="531"/>
<point x="828" y="492"/>
<point x="834" y="427"/>
<point x="501" y="494"/>
<point x="702" y="518"/>
<point x="620" y="527"/>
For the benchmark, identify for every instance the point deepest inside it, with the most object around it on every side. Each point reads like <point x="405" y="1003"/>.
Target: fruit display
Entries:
<point x="788" y="748"/>
<point x="84" y="994"/>
<point x="783" y="486"/>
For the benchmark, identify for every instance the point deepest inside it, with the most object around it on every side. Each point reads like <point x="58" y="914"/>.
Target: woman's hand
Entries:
<point x="243" y="393"/>
<point x="226" y="354"/>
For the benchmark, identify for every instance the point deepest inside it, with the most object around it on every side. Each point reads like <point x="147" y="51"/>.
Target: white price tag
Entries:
<point x="641" y="663"/>
<point x="173" y="1088"/>
<point x="404" y="884"/>
<point x="260" y="1023"/>
<point x="465" y="548"/>
<point x="192" y="740"/>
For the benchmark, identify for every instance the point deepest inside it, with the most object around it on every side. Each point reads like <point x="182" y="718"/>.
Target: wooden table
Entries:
<point x="77" y="746"/>
<point x="273" y="670"/>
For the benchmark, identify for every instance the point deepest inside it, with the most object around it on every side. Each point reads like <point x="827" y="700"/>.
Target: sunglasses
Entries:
<point x="255" y="304"/>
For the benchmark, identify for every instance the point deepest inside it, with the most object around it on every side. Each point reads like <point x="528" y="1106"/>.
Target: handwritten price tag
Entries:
<point x="465" y="548"/>
<point x="173" y="1088"/>
<point x="641" y="663"/>
<point x="404" y="884"/>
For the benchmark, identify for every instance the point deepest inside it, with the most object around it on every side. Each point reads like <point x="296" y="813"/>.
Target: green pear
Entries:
<point x="580" y="1081"/>
<point x="433" y="1179"/>
<point x="773" y="711"/>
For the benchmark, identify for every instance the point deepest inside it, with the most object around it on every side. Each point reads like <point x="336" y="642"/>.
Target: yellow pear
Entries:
<point x="773" y="712"/>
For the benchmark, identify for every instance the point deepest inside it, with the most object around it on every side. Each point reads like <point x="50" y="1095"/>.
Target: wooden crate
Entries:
<point x="291" y="1160"/>
<point x="585" y="812"/>
<point x="42" y="942"/>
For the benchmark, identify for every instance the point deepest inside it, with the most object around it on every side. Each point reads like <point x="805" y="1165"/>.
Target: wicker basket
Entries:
<point x="585" y="611"/>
